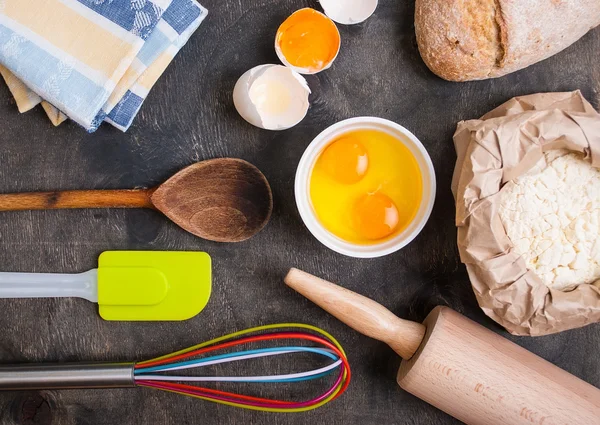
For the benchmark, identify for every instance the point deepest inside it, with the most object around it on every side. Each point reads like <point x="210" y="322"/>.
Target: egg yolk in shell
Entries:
<point x="366" y="187"/>
<point x="309" y="40"/>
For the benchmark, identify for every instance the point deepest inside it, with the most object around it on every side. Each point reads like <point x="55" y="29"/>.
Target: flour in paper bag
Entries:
<point x="552" y="216"/>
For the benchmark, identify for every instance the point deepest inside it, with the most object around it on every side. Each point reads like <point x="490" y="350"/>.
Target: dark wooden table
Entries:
<point x="189" y="116"/>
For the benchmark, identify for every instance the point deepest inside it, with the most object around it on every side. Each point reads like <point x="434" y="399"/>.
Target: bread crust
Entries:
<point x="463" y="40"/>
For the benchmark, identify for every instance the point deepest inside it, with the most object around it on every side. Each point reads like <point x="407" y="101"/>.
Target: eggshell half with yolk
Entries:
<point x="308" y="41"/>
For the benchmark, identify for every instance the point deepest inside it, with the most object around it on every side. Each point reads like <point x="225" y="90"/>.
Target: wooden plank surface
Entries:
<point x="189" y="116"/>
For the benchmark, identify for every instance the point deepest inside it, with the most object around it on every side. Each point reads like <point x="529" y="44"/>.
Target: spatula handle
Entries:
<point x="138" y="198"/>
<point x="45" y="285"/>
<point x="360" y="313"/>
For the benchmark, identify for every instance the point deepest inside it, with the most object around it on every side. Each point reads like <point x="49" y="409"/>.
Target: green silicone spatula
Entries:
<point x="127" y="285"/>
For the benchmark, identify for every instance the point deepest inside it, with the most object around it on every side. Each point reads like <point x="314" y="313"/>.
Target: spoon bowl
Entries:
<point x="222" y="200"/>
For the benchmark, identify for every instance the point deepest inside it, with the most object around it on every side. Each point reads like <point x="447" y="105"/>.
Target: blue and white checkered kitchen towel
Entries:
<point x="93" y="60"/>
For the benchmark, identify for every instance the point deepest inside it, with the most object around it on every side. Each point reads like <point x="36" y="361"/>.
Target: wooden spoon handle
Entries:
<point x="360" y="313"/>
<point x="139" y="198"/>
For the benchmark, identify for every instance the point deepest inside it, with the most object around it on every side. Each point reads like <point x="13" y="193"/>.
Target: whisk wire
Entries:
<point x="150" y="373"/>
<point x="233" y="335"/>
<point x="243" y="355"/>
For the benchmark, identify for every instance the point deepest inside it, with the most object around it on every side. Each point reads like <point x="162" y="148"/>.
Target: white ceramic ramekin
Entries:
<point x="303" y="191"/>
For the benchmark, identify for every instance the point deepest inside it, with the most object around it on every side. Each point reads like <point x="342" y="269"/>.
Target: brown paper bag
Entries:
<point x="502" y="145"/>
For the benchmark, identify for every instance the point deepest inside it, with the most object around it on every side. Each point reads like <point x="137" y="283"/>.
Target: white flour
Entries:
<point x="552" y="216"/>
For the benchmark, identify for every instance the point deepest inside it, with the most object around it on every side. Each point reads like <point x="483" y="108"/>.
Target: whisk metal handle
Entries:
<point x="66" y="376"/>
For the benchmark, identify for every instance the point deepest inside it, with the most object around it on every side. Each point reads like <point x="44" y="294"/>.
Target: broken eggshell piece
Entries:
<point x="272" y="97"/>
<point x="348" y="12"/>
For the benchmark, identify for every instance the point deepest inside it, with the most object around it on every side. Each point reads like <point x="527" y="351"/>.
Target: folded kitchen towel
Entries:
<point x="98" y="58"/>
<point x="181" y="20"/>
<point x="25" y="98"/>
<point x="56" y="117"/>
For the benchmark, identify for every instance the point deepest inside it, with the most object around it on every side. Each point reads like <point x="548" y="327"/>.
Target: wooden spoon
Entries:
<point x="223" y="200"/>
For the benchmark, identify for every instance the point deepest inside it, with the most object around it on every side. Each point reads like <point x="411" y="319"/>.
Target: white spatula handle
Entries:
<point x="40" y="285"/>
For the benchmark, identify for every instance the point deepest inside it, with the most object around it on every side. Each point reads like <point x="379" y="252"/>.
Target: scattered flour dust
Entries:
<point x="552" y="216"/>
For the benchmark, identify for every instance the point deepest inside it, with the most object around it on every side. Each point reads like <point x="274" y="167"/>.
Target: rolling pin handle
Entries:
<point x="360" y="313"/>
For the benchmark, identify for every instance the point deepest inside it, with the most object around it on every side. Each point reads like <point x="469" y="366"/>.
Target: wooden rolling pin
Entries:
<point x="461" y="367"/>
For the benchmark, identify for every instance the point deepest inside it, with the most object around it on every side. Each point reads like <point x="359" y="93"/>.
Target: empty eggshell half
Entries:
<point x="348" y="12"/>
<point x="272" y="97"/>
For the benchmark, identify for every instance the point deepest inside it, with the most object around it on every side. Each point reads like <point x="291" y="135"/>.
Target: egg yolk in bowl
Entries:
<point x="366" y="187"/>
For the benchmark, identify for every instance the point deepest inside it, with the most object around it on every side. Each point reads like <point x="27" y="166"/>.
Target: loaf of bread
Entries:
<point x="463" y="40"/>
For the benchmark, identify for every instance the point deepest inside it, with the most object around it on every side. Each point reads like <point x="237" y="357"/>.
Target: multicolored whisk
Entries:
<point x="172" y="372"/>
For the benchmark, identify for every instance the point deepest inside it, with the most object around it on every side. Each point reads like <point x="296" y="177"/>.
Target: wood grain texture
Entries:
<point x="76" y="199"/>
<point x="222" y="200"/>
<point x="483" y="379"/>
<point x="360" y="313"/>
<point x="461" y="367"/>
<point x="189" y="116"/>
